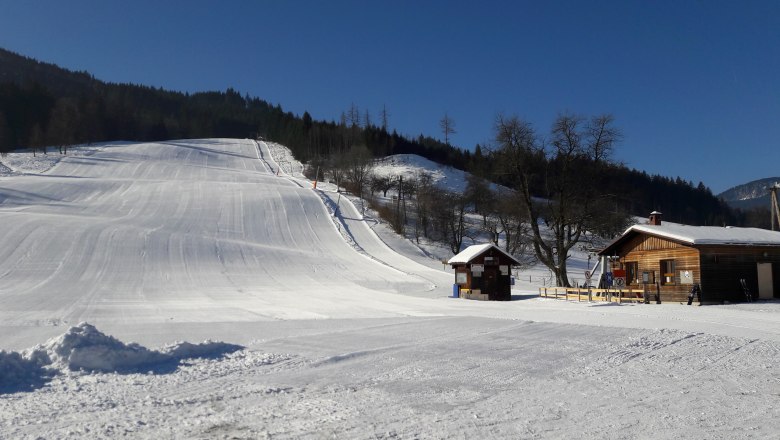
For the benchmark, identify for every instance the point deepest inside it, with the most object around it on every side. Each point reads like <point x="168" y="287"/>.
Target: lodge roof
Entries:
<point x="701" y="235"/>
<point x="470" y="253"/>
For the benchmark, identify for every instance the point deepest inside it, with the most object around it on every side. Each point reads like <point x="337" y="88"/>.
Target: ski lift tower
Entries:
<point x="775" y="205"/>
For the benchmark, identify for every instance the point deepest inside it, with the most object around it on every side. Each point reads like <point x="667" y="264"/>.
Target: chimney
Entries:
<point x="655" y="218"/>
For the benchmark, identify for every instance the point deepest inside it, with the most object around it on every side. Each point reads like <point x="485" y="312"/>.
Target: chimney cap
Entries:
<point x="656" y="213"/>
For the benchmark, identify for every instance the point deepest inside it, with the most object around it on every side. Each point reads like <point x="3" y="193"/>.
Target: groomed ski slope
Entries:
<point x="200" y="231"/>
<point x="200" y="239"/>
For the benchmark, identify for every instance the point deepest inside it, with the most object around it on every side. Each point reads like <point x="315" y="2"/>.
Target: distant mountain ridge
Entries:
<point x="749" y="195"/>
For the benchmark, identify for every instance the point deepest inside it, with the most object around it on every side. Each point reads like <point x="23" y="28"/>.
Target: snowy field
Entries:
<point x="411" y="166"/>
<point x="299" y="321"/>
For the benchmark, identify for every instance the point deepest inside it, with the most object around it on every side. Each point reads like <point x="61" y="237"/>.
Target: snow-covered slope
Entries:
<point x="179" y="232"/>
<point x="154" y="244"/>
<point x="412" y="165"/>
<point x="750" y="195"/>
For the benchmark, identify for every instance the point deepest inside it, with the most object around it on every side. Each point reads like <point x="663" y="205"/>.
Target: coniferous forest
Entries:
<point x="44" y="105"/>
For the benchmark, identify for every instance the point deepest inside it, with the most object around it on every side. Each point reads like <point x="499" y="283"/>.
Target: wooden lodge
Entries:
<point x="483" y="272"/>
<point x="672" y="258"/>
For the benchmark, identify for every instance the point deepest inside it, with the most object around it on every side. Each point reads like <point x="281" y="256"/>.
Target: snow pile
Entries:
<point x="19" y="372"/>
<point x="206" y="349"/>
<point x="84" y="348"/>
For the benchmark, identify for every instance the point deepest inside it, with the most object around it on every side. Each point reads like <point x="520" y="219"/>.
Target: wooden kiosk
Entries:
<point x="483" y="272"/>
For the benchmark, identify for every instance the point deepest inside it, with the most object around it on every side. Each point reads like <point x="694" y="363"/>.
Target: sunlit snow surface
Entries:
<point x="325" y="331"/>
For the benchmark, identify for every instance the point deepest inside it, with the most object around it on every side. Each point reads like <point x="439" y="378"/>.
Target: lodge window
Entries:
<point x="632" y="269"/>
<point x="667" y="272"/>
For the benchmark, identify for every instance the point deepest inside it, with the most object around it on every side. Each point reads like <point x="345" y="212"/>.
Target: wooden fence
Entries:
<point x="585" y="294"/>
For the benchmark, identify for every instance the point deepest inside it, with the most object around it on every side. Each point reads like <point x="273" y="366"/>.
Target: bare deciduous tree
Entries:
<point x="384" y="116"/>
<point x="367" y="120"/>
<point x="479" y="195"/>
<point x="353" y="116"/>
<point x="424" y="190"/>
<point x="554" y="183"/>
<point x="383" y="183"/>
<point x="602" y="137"/>
<point x="449" y="218"/>
<point x="511" y="221"/>
<point x="359" y="164"/>
<point x="447" y="127"/>
<point x="337" y="169"/>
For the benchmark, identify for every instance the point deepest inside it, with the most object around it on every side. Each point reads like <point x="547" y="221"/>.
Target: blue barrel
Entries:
<point x="455" y="291"/>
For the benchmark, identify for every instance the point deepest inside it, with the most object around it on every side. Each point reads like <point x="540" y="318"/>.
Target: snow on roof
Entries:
<point x="471" y="252"/>
<point x="711" y="235"/>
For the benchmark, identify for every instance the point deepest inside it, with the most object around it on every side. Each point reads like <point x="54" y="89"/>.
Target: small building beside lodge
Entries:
<point x="672" y="258"/>
<point x="483" y="272"/>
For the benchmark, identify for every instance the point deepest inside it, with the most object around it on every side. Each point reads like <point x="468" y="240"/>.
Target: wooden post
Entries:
<point x="775" y="205"/>
<point x="398" y="199"/>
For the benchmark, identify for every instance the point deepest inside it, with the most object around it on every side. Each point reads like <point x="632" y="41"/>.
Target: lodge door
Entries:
<point x="765" y="285"/>
<point x="489" y="282"/>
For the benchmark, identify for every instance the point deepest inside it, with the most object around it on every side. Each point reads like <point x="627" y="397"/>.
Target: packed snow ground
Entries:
<point x="324" y="330"/>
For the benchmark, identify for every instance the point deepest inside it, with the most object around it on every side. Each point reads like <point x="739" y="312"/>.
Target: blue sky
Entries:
<point x="694" y="85"/>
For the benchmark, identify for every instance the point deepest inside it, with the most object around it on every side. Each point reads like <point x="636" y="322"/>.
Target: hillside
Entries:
<point x="749" y="195"/>
<point x="21" y="70"/>
<point x="411" y="166"/>
<point x="42" y="105"/>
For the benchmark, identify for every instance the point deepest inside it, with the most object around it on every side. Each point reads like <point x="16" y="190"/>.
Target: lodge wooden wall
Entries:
<point x="717" y="269"/>
<point x="648" y="251"/>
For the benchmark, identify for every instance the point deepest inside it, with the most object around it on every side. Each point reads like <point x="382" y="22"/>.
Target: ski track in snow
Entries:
<point x="406" y="380"/>
<point x="201" y="239"/>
